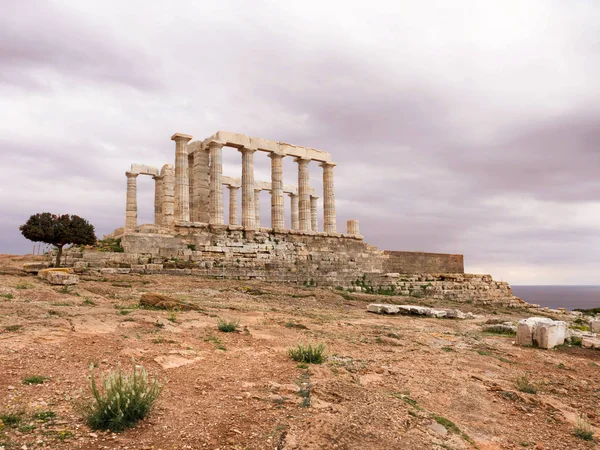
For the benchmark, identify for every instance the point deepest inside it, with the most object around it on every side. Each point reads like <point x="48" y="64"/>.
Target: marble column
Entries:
<point x="277" y="218"/>
<point x="182" y="177"/>
<point x="352" y="227"/>
<point x="158" y="200"/>
<point x="215" y="183"/>
<point x="329" y="221"/>
<point x="314" y="221"/>
<point x="131" y="206"/>
<point x="257" y="207"/>
<point x="303" y="194"/>
<point x="248" y="211"/>
<point x="294" y="209"/>
<point x="233" y="205"/>
<point x="168" y="198"/>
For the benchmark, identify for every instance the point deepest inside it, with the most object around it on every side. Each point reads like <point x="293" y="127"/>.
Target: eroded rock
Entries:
<point x="382" y="308"/>
<point x="59" y="276"/>
<point x="159" y="301"/>
<point x="35" y="267"/>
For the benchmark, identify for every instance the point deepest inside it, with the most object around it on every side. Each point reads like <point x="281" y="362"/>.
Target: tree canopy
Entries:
<point x="58" y="231"/>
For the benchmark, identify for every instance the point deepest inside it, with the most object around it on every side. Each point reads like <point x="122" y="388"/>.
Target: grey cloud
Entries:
<point x="39" y="35"/>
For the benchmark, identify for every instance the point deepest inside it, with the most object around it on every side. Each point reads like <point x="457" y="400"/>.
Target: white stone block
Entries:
<point x="541" y="332"/>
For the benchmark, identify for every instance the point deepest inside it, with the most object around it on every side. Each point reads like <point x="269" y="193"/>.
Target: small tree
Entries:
<point x="58" y="231"/>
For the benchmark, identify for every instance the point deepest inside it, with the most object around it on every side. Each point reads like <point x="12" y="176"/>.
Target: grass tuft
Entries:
<point x="525" y="386"/>
<point x="227" y="326"/>
<point x="307" y="354"/>
<point x="583" y="430"/>
<point x="121" y="400"/>
<point x="36" y="379"/>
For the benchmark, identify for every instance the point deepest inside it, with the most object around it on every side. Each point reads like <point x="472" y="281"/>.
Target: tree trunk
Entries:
<point x="58" y="255"/>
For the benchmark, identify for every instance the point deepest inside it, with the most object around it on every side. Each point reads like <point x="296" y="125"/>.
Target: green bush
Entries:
<point x="227" y="326"/>
<point x="121" y="400"/>
<point x="36" y="379"/>
<point x="308" y="354"/>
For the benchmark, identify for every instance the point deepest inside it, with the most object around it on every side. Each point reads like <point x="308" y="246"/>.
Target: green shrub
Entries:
<point x="307" y="354"/>
<point x="227" y="326"/>
<point x="121" y="400"/>
<point x="11" y="420"/>
<point x="36" y="379"/>
<point x="7" y="296"/>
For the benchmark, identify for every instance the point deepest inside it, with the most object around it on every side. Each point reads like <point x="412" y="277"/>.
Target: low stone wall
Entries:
<point x="419" y="262"/>
<point x="316" y="259"/>
<point x="460" y="287"/>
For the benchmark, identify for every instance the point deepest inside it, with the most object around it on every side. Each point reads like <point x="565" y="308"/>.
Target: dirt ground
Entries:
<point x="387" y="383"/>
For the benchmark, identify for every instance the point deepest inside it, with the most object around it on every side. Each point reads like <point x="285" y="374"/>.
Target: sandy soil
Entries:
<point x="384" y="383"/>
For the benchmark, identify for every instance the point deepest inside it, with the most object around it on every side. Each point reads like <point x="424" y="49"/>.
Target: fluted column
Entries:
<point x="277" y="218"/>
<point x="182" y="177"/>
<point x="233" y="205"/>
<point x="158" y="200"/>
<point x="248" y="211"/>
<point x="314" y="220"/>
<point x="215" y="183"/>
<point x="303" y="194"/>
<point x="257" y="207"/>
<point x="131" y="206"/>
<point x="328" y="198"/>
<point x="352" y="227"/>
<point x="294" y="209"/>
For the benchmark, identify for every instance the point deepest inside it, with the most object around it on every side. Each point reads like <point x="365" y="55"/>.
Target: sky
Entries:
<point x="463" y="127"/>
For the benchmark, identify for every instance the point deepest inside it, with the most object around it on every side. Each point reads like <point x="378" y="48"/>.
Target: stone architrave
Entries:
<point x="329" y="217"/>
<point x="303" y="194"/>
<point x="158" y="200"/>
<point x="277" y="209"/>
<point x="314" y="218"/>
<point x="216" y="188"/>
<point x="233" y="205"/>
<point x="131" y="204"/>
<point x="294" y="209"/>
<point x="352" y="227"/>
<point x="248" y="209"/>
<point x="182" y="181"/>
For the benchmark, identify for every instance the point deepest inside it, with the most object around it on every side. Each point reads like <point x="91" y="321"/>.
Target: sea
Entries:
<point x="569" y="297"/>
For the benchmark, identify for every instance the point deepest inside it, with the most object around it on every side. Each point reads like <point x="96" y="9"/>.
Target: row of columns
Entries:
<point x="303" y="205"/>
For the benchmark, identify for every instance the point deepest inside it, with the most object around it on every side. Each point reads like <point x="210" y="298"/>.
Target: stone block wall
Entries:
<point x="419" y="262"/>
<point x="339" y="261"/>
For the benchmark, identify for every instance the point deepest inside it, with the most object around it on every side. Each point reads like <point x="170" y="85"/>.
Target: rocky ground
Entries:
<point x="389" y="382"/>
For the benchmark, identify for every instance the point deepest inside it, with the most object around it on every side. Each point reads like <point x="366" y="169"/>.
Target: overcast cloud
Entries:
<point x="466" y="126"/>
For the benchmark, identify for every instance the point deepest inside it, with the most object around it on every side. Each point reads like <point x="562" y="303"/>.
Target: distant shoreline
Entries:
<point x="560" y="296"/>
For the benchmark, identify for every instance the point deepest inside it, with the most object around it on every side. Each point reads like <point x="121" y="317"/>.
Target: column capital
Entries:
<point x="247" y="149"/>
<point x="232" y="187"/>
<point x="131" y="174"/>
<point x="157" y="177"/>
<point x="314" y="196"/>
<point x="327" y="164"/>
<point x="215" y="144"/>
<point x="291" y="194"/>
<point x="274" y="155"/>
<point x="181" y="137"/>
<point x="302" y="159"/>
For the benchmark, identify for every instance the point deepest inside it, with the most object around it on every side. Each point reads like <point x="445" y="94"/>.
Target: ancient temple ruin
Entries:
<point x="191" y="191"/>
<point x="190" y="235"/>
